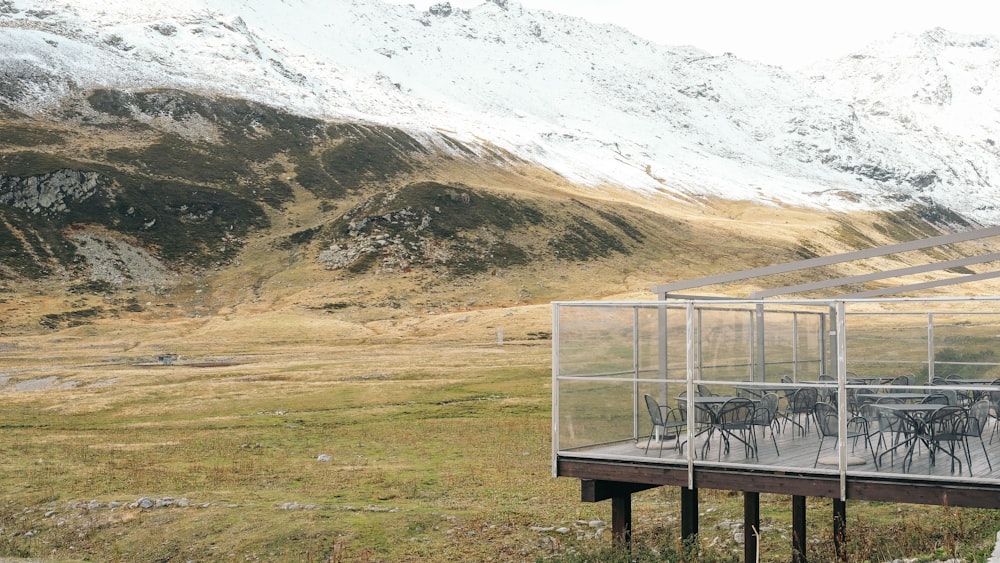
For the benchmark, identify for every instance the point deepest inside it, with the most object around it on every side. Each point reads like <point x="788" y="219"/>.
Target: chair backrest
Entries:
<point x="979" y="413"/>
<point x="951" y="394"/>
<point x="901" y="380"/>
<point x="737" y="410"/>
<point x="704" y="391"/>
<point x="854" y="403"/>
<point x="786" y="379"/>
<point x="994" y="397"/>
<point x="827" y="378"/>
<point x="767" y="408"/>
<point x="873" y="414"/>
<point x="804" y="399"/>
<point x="947" y="423"/>
<point x="936" y="399"/>
<point x="826" y="419"/>
<point x="655" y="414"/>
<point x="700" y="416"/>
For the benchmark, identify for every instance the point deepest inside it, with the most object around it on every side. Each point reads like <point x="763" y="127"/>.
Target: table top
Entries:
<point x="786" y="388"/>
<point x="709" y="399"/>
<point x="900" y="396"/>
<point x="868" y="380"/>
<point x="910" y="407"/>
<point x="786" y="385"/>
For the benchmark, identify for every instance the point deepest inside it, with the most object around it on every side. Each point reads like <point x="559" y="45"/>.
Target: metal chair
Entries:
<point x="766" y="416"/>
<point x="994" y="398"/>
<point x="937" y="399"/>
<point x="979" y="414"/>
<point x="663" y="424"/>
<point x="702" y="419"/>
<point x="802" y="402"/>
<point x="735" y="420"/>
<point x="902" y="380"/>
<point x="828" y="426"/>
<point x="942" y="431"/>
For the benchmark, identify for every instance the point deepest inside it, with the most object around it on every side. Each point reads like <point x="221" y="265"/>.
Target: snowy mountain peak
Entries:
<point x="911" y="120"/>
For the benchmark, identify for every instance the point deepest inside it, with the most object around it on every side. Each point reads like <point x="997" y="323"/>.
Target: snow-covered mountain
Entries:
<point x="912" y="120"/>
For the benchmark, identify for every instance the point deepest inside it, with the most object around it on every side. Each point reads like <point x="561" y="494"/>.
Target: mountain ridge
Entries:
<point x="593" y="103"/>
<point x="156" y="193"/>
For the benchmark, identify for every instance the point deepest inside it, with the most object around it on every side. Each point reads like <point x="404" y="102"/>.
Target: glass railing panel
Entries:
<point x="596" y="340"/>
<point x="609" y="357"/>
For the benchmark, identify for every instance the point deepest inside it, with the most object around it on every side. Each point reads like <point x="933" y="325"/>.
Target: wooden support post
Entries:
<point x="621" y="520"/>
<point x="689" y="514"/>
<point x="839" y="528"/>
<point x="751" y="525"/>
<point x="798" y="529"/>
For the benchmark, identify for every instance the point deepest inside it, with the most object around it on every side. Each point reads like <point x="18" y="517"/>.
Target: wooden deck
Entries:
<point x="790" y="469"/>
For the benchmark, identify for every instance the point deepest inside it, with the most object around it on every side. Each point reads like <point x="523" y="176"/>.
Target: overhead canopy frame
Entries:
<point x="665" y="291"/>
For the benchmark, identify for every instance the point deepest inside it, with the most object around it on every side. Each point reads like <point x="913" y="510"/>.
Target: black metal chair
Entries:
<point x="902" y="380"/>
<point x="828" y="426"/>
<point x="702" y="419"/>
<point x="979" y="414"/>
<point x="994" y="397"/>
<point x="766" y="416"/>
<point x="879" y="424"/>
<point x="943" y="431"/>
<point x="735" y="420"/>
<point x="802" y="403"/>
<point x="664" y="423"/>
<point x="937" y="398"/>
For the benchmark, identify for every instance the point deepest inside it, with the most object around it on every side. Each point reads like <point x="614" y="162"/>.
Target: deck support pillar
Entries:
<point x="751" y="525"/>
<point x="621" y="520"/>
<point x="798" y="529"/>
<point x="840" y="528"/>
<point x="620" y="493"/>
<point x="689" y="514"/>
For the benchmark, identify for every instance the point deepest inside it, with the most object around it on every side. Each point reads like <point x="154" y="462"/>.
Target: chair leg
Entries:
<point x="773" y="440"/>
<point x="986" y="455"/>
<point x="820" y="449"/>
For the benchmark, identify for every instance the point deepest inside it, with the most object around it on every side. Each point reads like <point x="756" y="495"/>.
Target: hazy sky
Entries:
<point x="788" y="33"/>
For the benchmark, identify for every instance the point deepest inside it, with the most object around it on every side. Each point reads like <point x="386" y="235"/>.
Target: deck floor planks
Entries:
<point x="798" y="452"/>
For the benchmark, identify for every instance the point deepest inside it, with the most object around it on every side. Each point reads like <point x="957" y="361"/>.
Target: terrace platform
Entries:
<point x="854" y="349"/>
<point x="608" y="357"/>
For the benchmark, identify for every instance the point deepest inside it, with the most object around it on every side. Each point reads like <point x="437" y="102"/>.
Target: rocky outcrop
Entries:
<point x="118" y="262"/>
<point x="51" y="193"/>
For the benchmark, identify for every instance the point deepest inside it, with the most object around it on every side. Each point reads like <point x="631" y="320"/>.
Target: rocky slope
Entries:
<point x="595" y="104"/>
